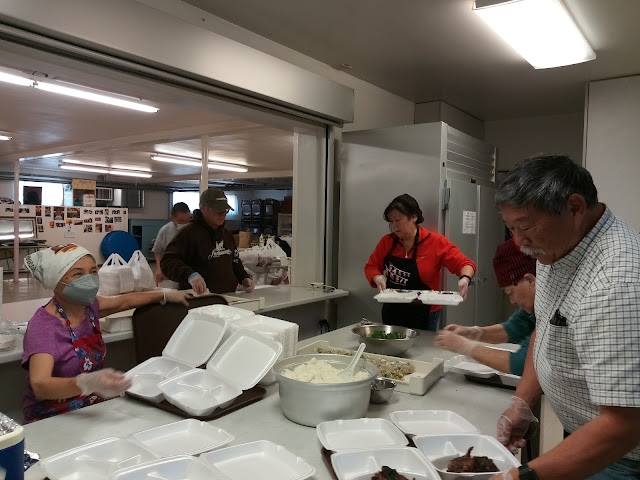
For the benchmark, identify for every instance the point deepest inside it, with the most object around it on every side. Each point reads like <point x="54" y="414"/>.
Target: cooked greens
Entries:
<point x="381" y="334"/>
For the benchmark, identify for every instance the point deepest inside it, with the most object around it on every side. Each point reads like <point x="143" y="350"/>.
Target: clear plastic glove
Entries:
<point x="472" y="333"/>
<point x="507" y="475"/>
<point x="198" y="284"/>
<point x="514" y="423"/>
<point x="176" y="296"/>
<point x="455" y="343"/>
<point x="106" y="383"/>
<point x="248" y="285"/>
<point x="463" y="286"/>
<point x="159" y="276"/>
<point x="380" y="282"/>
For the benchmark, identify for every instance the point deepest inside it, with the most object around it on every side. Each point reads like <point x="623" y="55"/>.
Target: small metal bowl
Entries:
<point x="382" y="389"/>
<point x="393" y="347"/>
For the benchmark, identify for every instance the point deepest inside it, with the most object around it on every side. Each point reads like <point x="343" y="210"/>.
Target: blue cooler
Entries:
<point x="12" y="454"/>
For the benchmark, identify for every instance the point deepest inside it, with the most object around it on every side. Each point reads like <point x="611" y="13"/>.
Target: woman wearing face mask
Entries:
<point x="63" y="347"/>
<point x="411" y="258"/>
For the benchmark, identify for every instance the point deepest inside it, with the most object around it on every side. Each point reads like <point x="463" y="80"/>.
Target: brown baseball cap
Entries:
<point x="215" y="198"/>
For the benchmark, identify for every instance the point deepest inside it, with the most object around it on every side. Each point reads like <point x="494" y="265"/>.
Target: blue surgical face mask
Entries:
<point x="83" y="290"/>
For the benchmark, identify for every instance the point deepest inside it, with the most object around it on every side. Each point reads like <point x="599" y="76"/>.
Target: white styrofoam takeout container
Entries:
<point x="261" y="459"/>
<point x="431" y="422"/>
<point x="186" y="437"/>
<point x="360" y="434"/>
<point x="229" y="313"/>
<point x="434" y="297"/>
<point x="393" y="296"/>
<point x="237" y="365"/>
<point x="190" y="346"/>
<point x="97" y="461"/>
<point x="174" y="468"/>
<point x="468" y="366"/>
<point x="439" y="449"/>
<point x="360" y="464"/>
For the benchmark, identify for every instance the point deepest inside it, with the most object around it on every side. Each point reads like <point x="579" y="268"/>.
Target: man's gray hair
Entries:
<point x="545" y="182"/>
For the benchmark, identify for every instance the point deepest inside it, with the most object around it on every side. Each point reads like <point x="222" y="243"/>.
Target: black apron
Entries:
<point x="402" y="274"/>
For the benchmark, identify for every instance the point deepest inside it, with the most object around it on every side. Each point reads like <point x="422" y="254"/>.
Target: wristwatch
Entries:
<point x="526" y="473"/>
<point x="468" y="277"/>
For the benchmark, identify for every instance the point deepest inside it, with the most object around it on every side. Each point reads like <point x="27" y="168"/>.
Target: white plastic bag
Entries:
<point x="142" y="274"/>
<point x="116" y="276"/>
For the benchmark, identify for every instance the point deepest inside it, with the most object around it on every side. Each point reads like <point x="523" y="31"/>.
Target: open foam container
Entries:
<point x="431" y="422"/>
<point x="236" y="366"/>
<point x="363" y="464"/>
<point x="175" y="468"/>
<point x="439" y="449"/>
<point x="360" y="434"/>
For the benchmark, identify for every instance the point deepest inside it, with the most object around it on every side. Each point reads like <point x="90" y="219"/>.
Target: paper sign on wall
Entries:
<point x="468" y="222"/>
<point x="68" y="231"/>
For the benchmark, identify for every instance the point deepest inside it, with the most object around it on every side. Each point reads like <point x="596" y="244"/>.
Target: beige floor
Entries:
<point x="27" y="288"/>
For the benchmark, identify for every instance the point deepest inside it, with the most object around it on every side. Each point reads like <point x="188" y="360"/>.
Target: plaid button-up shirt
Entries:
<point x="587" y="306"/>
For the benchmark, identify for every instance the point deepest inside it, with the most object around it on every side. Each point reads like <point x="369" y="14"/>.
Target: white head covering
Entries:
<point x="49" y="265"/>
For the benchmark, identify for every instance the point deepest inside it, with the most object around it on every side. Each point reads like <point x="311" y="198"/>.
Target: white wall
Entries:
<point x="156" y="206"/>
<point x="613" y="144"/>
<point x="519" y="138"/>
<point x="374" y="107"/>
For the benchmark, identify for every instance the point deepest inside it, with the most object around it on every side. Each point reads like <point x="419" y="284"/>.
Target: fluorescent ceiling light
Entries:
<point x="84" y="169"/>
<point x="5" y="137"/>
<point x="197" y="163"/>
<point x="26" y="81"/>
<point x="542" y="31"/>
<point x="126" y="167"/>
<point x="129" y="173"/>
<point x="82" y="162"/>
<point x="97" y="168"/>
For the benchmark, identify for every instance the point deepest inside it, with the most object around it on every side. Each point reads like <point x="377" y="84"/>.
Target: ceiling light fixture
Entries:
<point x="542" y="31"/>
<point x="129" y="173"/>
<point x="192" y="162"/>
<point x="82" y="166"/>
<point x="75" y="92"/>
<point x="5" y="137"/>
<point x="82" y="162"/>
<point x="77" y="168"/>
<point x="126" y="167"/>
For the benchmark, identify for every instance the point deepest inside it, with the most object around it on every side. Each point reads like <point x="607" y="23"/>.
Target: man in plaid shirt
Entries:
<point x="586" y="354"/>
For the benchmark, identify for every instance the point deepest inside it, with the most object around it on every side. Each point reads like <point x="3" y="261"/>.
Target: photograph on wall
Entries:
<point x="39" y="220"/>
<point x="69" y="221"/>
<point x="88" y="228"/>
<point x="115" y="212"/>
<point x="98" y="219"/>
<point x="58" y="213"/>
<point x="88" y="211"/>
<point x="73" y="212"/>
<point x="99" y="211"/>
<point x="38" y="210"/>
<point x="40" y="228"/>
<point x="59" y="224"/>
<point x="124" y="212"/>
<point x="78" y="221"/>
<point x="24" y="210"/>
<point x="98" y="228"/>
<point x="106" y="211"/>
<point x="108" y="219"/>
<point x="52" y="224"/>
<point x="88" y="220"/>
<point x="47" y="211"/>
<point x="8" y="209"/>
<point x="108" y="228"/>
<point x="117" y="219"/>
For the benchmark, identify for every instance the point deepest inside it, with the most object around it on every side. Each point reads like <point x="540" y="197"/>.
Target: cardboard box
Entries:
<point x="236" y="238"/>
<point x="244" y="240"/>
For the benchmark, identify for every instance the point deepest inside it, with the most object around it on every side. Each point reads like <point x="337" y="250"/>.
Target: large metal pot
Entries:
<point x="312" y="403"/>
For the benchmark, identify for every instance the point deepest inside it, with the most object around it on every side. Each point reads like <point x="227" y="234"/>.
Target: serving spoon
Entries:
<point x="347" y="373"/>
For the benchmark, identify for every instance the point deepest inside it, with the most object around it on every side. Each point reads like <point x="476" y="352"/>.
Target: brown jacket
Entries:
<point x="212" y="253"/>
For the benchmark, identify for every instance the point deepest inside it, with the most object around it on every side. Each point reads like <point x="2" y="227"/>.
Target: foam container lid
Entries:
<point x="187" y="437"/>
<point x="360" y="434"/>
<point x="147" y="376"/>
<point x="431" y="422"/>
<point x="439" y="449"/>
<point x="175" y="468"/>
<point x="97" y="460"/>
<point x="361" y="464"/>
<point x="262" y="459"/>
<point x="225" y="312"/>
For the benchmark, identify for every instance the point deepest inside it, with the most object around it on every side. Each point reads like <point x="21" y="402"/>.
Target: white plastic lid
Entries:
<point x="223" y="311"/>
<point x="196" y="338"/>
<point x="245" y="358"/>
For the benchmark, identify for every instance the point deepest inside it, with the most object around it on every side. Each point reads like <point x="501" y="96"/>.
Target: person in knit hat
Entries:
<point x="515" y="273"/>
<point x="63" y="349"/>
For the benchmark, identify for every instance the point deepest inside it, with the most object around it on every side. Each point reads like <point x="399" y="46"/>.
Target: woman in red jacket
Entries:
<point x="411" y="258"/>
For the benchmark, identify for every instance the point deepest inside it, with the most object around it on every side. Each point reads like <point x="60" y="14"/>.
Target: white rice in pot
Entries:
<point x="320" y="371"/>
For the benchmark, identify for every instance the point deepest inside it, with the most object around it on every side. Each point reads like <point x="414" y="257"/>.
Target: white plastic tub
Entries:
<point x="360" y="434"/>
<point x="262" y="459"/>
<point x="431" y="422"/>
<point x="363" y="464"/>
<point x="238" y="365"/>
<point x="97" y="461"/>
<point x="439" y="449"/>
<point x="187" y="437"/>
<point x="176" y="468"/>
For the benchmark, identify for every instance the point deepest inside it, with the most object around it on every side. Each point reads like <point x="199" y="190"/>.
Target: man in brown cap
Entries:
<point x="515" y="272"/>
<point x="203" y="255"/>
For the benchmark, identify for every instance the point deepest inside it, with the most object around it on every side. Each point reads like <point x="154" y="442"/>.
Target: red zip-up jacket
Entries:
<point x="434" y="252"/>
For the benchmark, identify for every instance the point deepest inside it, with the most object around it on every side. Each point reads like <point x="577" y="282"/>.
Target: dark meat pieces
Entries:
<point x="469" y="464"/>
<point x="388" y="474"/>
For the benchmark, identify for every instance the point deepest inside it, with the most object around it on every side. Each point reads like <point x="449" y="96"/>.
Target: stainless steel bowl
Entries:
<point x="382" y="389"/>
<point x="393" y="347"/>
<point x="313" y="403"/>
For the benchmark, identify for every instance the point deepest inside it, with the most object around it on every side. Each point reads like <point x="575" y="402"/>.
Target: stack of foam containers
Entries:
<point x="283" y="332"/>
